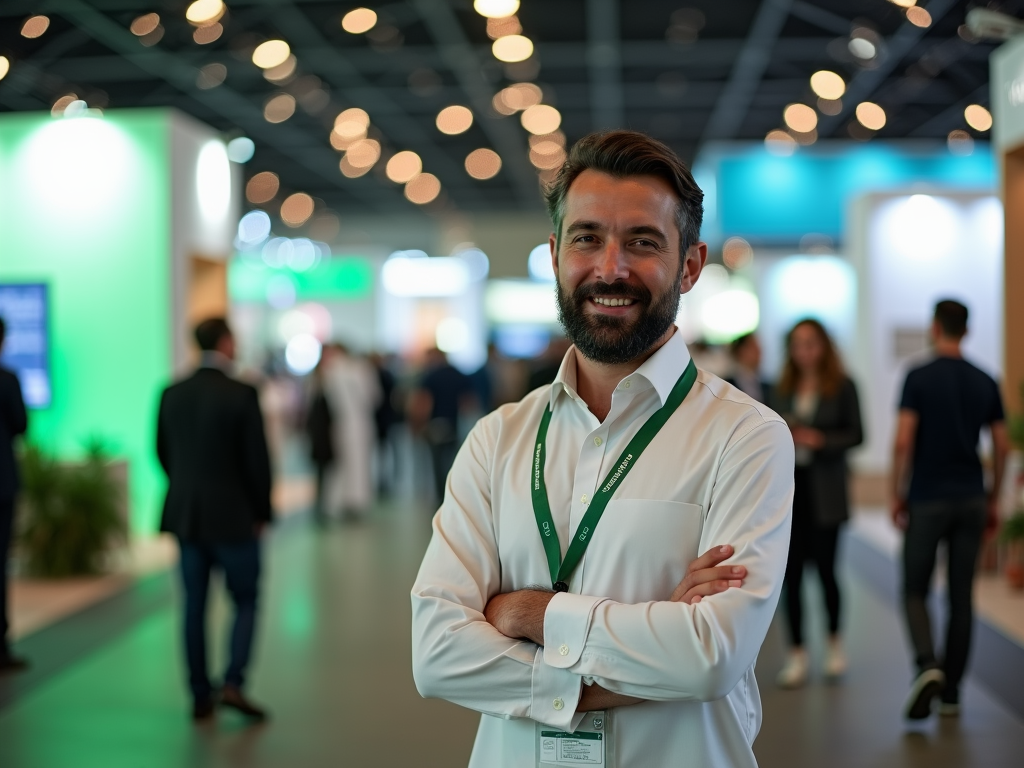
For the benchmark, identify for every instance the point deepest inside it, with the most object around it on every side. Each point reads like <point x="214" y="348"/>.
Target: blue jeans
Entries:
<point x="240" y="562"/>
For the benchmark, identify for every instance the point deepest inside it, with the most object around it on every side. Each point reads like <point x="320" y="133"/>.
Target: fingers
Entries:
<point x="697" y="593"/>
<point x="711" y="558"/>
<point x="725" y="576"/>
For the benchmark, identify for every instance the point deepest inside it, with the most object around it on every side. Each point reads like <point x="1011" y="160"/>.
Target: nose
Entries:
<point x="612" y="264"/>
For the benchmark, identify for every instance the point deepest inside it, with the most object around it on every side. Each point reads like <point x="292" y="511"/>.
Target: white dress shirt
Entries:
<point x="719" y="472"/>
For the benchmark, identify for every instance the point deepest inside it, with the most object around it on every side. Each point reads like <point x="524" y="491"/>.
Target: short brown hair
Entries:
<point x="623" y="154"/>
<point x="830" y="371"/>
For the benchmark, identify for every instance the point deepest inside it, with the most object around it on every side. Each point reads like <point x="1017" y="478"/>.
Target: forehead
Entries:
<point x="599" y="196"/>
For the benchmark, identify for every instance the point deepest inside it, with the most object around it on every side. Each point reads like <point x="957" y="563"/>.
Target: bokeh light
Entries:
<point x="35" y="26"/>
<point x="143" y="25"/>
<point x="283" y="71"/>
<point x="828" y="85"/>
<point x="279" y="108"/>
<point x="363" y="153"/>
<point x="919" y="17"/>
<point x="452" y="335"/>
<point x="737" y="253"/>
<point x="5" y="66"/>
<point x="203" y="12"/>
<point x="541" y="118"/>
<point x="352" y="123"/>
<point x="502" y="27"/>
<point x="262" y="187"/>
<point x="517" y="97"/>
<point x="547" y="155"/>
<point x="454" y="120"/>
<point x="253" y="228"/>
<point x="63" y="103"/>
<point x="350" y="171"/>
<point x="404" y="166"/>
<point x="979" y="118"/>
<point x="359" y="20"/>
<point x="904" y="3"/>
<point x="213" y="182"/>
<point x="271" y="54"/>
<point x="422" y="189"/>
<point x="512" y="48"/>
<point x="871" y="116"/>
<point x="241" y="149"/>
<point x="960" y="142"/>
<point x="496" y="9"/>
<point x="780" y="142"/>
<point x="800" y="118"/>
<point x="830" y="106"/>
<point x="296" y="209"/>
<point x="154" y="37"/>
<point x="302" y="354"/>
<point x="483" y="163"/>
<point x="208" y="34"/>
<point x="211" y="75"/>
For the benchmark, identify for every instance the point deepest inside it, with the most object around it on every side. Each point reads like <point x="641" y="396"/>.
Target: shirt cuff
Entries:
<point x="554" y="695"/>
<point x="566" y="626"/>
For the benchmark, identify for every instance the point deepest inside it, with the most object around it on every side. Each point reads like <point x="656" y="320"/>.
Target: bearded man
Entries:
<point x="610" y="550"/>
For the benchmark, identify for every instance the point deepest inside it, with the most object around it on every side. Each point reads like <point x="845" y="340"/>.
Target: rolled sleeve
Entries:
<point x="567" y="623"/>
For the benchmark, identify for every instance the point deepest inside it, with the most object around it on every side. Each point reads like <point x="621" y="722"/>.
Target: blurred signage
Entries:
<point x="24" y="309"/>
<point x="1007" y="84"/>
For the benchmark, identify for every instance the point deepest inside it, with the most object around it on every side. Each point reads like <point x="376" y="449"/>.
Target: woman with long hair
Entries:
<point x="819" y="402"/>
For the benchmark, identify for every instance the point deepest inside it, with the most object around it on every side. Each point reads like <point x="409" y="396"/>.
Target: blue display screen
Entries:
<point x="26" y="350"/>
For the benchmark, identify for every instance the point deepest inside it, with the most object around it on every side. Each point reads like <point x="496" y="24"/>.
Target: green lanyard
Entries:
<point x="560" y="569"/>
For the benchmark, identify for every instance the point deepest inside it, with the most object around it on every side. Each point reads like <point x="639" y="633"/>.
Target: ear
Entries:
<point x="553" y="245"/>
<point x="694" y="260"/>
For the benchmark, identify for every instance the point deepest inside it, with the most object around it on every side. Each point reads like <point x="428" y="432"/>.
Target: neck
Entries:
<point x="595" y="382"/>
<point x="946" y="347"/>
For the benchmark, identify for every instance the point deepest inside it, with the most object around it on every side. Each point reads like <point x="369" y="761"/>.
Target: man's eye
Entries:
<point x="584" y="239"/>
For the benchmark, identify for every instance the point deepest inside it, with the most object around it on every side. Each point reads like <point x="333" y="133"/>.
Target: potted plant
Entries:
<point x="1012" y="534"/>
<point x="70" y="513"/>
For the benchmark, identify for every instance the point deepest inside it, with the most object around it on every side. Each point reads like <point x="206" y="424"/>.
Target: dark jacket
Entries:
<point x="211" y="444"/>
<point x="838" y="419"/>
<point x="13" y="422"/>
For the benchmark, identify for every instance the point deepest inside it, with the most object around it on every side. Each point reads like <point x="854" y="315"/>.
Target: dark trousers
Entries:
<point x="961" y="524"/>
<point x="442" y="456"/>
<point x="240" y="562"/>
<point x="6" y="532"/>
<point x="810" y="541"/>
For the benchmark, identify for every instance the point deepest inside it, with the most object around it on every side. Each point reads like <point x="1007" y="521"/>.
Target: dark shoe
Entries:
<point x="11" y="664"/>
<point x="926" y="687"/>
<point x="232" y="697"/>
<point x="202" y="709"/>
<point x="949" y="704"/>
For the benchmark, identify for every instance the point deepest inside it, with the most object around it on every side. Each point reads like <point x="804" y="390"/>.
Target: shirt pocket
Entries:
<point x="641" y="549"/>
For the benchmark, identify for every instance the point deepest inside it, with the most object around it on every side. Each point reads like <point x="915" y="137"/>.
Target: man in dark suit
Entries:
<point x="13" y="422"/>
<point x="212" y="446"/>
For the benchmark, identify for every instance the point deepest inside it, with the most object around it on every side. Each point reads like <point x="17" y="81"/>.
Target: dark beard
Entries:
<point x="614" y="340"/>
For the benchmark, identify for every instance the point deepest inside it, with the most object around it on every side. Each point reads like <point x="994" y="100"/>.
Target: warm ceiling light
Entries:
<point x="496" y="9"/>
<point x="153" y="37"/>
<point x="500" y="106"/>
<point x="271" y="54"/>
<point x="423" y="189"/>
<point x="547" y="147"/>
<point x="557" y="137"/>
<point x="211" y="75"/>
<point x="279" y="108"/>
<point x="208" y="34"/>
<point x="5" y="66"/>
<point x="737" y="253"/>
<point x="862" y="48"/>
<point x="352" y="123"/>
<point x="979" y="118"/>
<point x="871" y="116"/>
<point x="341" y="143"/>
<point x="904" y="3"/>
<point x="919" y="17"/>
<point x="359" y="20"/>
<point x="262" y="187"/>
<point x="541" y="118"/>
<point x="350" y="171"/>
<point x="363" y="153"/>
<point x="960" y="142"/>
<point x="404" y="166"/>
<point x="35" y="26"/>
<point x="483" y="163"/>
<point x="800" y="118"/>
<point x="830" y="106"/>
<point x="145" y="24"/>
<point x="203" y="12"/>
<point x="453" y="120"/>
<point x="282" y="71"/>
<point x="779" y="142"/>
<point x="828" y="85"/>
<point x="503" y="27"/>
<point x="296" y="209"/>
<point x="547" y="161"/>
<point x="518" y="97"/>
<point x="63" y="103"/>
<point x="512" y="48"/>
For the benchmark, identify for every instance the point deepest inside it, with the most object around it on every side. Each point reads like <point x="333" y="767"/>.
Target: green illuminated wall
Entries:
<point x="85" y="207"/>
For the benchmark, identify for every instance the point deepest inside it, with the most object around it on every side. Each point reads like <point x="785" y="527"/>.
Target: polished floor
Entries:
<point x="333" y="666"/>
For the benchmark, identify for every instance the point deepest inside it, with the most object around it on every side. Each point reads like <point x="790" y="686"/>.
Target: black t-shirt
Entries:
<point x="953" y="401"/>
<point x="447" y="385"/>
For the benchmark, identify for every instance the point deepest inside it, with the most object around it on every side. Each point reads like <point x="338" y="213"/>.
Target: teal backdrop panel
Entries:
<point x="85" y="207"/>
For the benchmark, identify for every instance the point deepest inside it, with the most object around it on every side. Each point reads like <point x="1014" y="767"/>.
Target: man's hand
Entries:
<point x="899" y="514"/>
<point x="705" y="577"/>
<point x="519" y="614"/>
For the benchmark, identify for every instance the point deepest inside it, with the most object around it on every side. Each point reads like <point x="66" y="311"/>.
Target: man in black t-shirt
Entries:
<point x="945" y="405"/>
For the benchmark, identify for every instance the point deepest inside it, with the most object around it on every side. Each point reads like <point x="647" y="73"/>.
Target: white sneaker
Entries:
<point x="835" y="659"/>
<point x="794" y="673"/>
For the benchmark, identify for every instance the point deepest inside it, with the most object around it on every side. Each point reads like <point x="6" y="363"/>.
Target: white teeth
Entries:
<point x="612" y="302"/>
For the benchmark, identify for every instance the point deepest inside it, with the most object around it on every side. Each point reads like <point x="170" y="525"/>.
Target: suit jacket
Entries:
<point x="211" y="444"/>
<point x="838" y="419"/>
<point x="13" y="422"/>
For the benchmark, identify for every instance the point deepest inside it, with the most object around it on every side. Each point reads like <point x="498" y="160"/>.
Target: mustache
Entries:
<point x="616" y="289"/>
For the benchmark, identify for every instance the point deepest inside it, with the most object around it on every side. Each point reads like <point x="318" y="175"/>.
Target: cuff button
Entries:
<point x="558" y="704"/>
<point x="563" y="650"/>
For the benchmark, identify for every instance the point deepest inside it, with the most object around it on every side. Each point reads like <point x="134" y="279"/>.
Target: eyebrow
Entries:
<point x="591" y="226"/>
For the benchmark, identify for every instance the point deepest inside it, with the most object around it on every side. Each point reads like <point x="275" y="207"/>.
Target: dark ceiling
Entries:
<point x="724" y="73"/>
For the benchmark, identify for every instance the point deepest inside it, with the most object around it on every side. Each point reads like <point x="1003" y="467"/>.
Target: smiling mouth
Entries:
<point x="612" y="302"/>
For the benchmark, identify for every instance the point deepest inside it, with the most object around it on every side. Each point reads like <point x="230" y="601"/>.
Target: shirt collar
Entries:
<point x="662" y="369"/>
<point x="216" y="360"/>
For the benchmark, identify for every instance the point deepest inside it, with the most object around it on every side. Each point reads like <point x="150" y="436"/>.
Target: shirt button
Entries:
<point x="563" y="650"/>
<point x="598" y="441"/>
<point x="585" y="499"/>
<point x="625" y="384"/>
<point x="558" y="704"/>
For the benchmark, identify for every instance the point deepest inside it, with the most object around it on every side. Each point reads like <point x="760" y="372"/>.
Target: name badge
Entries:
<point x="587" y="745"/>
